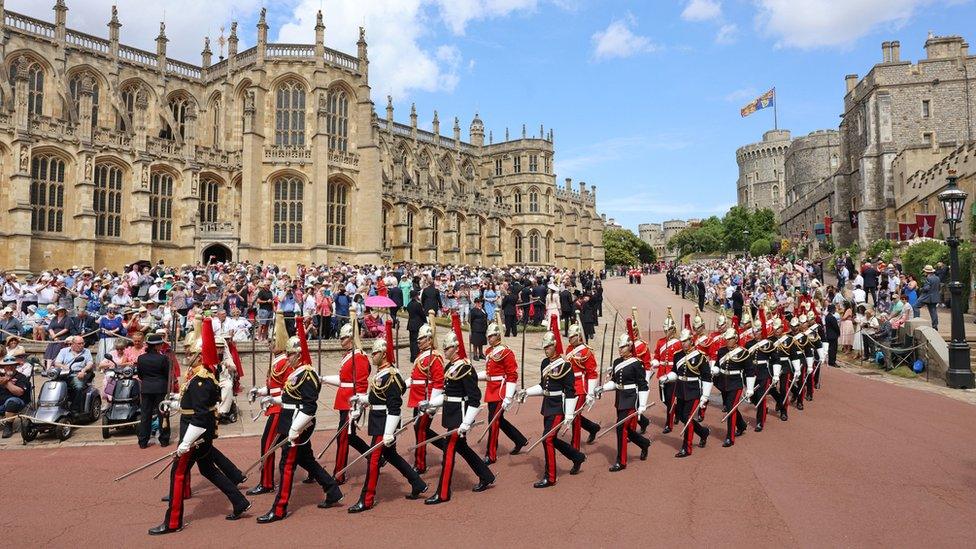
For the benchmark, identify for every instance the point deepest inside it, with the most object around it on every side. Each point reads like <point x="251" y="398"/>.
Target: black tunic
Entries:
<point x="461" y="392"/>
<point x="153" y="371"/>
<point x="765" y="354"/>
<point x="198" y="404"/>
<point x="734" y="366"/>
<point x="628" y="375"/>
<point x="692" y="370"/>
<point x="385" y="398"/>
<point x="300" y="393"/>
<point x="558" y="384"/>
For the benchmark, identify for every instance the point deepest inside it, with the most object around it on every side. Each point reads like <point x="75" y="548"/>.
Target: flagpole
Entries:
<point x="775" y="107"/>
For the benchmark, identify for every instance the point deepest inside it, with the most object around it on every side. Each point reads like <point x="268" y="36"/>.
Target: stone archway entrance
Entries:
<point x="216" y="253"/>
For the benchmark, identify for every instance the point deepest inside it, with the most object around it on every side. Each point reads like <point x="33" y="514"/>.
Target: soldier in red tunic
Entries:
<point x="585" y="373"/>
<point x="426" y="382"/>
<point x="501" y="373"/>
<point x="352" y="381"/>
<point x="663" y="361"/>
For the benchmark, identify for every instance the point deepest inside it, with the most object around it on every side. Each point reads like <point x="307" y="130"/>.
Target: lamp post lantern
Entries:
<point x="959" y="375"/>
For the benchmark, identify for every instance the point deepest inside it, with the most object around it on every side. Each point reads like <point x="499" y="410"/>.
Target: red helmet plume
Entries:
<point x="630" y="330"/>
<point x="390" y="349"/>
<point x="456" y="326"/>
<point x="208" y="354"/>
<point x="303" y="341"/>
<point x="557" y="337"/>
<point x="764" y="330"/>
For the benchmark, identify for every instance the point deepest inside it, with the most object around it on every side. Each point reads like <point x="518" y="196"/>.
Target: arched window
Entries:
<point x="435" y="231"/>
<point x="288" y="196"/>
<point x="161" y="206"/>
<point x="386" y="228"/>
<point x="35" y="86"/>
<point x="209" y="193"/>
<point x="179" y="106"/>
<point x="74" y="90"/>
<point x="337" y="203"/>
<point x="533" y="200"/>
<point x="337" y="121"/>
<point x="548" y="248"/>
<point x="216" y="114"/>
<point x="517" y="245"/>
<point x="107" y="200"/>
<point x="533" y="247"/>
<point x="775" y="194"/>
<point x="47" y="194"/>
<point x="517" y="199"/>
<point x="128" y="97"/>
<point x="409" y="234"/>
<point x="498" y="198"/>
<point x="290" y="114"/>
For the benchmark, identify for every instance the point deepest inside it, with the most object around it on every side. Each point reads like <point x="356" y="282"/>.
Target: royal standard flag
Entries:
<point x="764" y="101"/>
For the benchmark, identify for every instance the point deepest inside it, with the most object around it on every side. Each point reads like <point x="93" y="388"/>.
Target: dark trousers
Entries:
<point x="701" y="300"/>
<point x="684" y="409"/>
<point x="734" y="422"/>
<point x="589" y="330"/>
<point x="203" y="457"/>
<point x="414" y="347"/>
<point x="511" y="327"/>
<point x="268" y="439"/>
<point x="422" y="430"/>
<point x="627" y="432"/>
<point x="667" y="397"/>
<point x="149" y="408"/>
<point x="516" y="436"/>
<point x="581" y="423"/>
<point x="301" y="455"/>
<point x="933" y="314"/>
<point x="347" y="437"/>
<point x="872" y="293"/>
<point x="553" y="443"/>
<point x="762" y="383"/>
<point x="567" y="319"/>
<point x="832" y="350"/>
<point x="780" y="392"/>
<point x="456" y="444"/>
<point x="389" y="453"/>
<point x="226" y="466"/>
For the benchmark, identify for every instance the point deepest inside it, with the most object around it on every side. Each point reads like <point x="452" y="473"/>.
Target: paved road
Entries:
<point x="866" y="463"/>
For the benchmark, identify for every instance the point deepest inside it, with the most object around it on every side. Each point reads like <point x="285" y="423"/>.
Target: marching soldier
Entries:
<point x="767" y="370"/>
<point x="353" y="380"/>
<point x="664" y="362"/>
<point x="784" y="354"/>
<point x="747" y="334"/>
<point x="585" y="374"/>
<point x="459" y="405"/>
<point x="385" y="397"/>
<point x="426" y="383"/>
<point x="799" y="358"/>
<point x="815" y="346"/>
<point x="198" y="399"/>
<point x="642" y="352"/>
<point x="501" y="374"/>
<point x="734" y="362"/>
<point x="282" y="365"/>
<point x="557" y="387"/>
<point x="299" y="402"/>
<point x="628" y="380"/>
<point x="692" y="377"/>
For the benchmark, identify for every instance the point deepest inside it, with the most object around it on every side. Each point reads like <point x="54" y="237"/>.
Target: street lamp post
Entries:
<point x="959" y="375"/>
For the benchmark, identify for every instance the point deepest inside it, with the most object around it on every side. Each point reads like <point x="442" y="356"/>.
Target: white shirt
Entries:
<point x="237" y="328"/>
<point x="859" y="295"/>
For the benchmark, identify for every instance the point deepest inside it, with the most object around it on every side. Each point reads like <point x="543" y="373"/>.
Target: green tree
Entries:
<point x="736" y="229"/>
<point x="760" y="247"/>
<point x="623" y="247"/>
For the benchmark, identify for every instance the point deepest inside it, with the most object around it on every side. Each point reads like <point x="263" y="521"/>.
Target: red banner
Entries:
<point x="907" y="231"/>
<point x="827" y="222"/>
<point x="926" y="225"/>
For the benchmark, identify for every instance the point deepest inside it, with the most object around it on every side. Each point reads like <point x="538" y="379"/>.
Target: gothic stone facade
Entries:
<point x="111" y="154"/>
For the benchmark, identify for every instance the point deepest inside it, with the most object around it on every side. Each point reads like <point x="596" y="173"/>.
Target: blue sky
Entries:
<point x="643" y="97"/>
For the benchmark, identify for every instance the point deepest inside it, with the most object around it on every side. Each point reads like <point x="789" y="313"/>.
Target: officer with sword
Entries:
<point x="731" y="365"/>
<point x="630" y="386"/>
<point x="692" y="379"/>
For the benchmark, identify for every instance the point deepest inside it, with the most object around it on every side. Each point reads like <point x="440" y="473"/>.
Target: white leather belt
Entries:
<point x="552" y="393"/>
<point x="418" y="381"/>
<point x="378" y="407"/>
<point x="274" y="392"/>
<point x="289" y="406"/>
<point x="453" y="399"/>
<point x="762" y="362"/>
<point x="347" y="385"/>
<point x="578" y="374"/>
<point x="730" y="372"/>
<point x="628" y="386"/>
<point x="683" y="378"/>
<point x="496" y="378"/>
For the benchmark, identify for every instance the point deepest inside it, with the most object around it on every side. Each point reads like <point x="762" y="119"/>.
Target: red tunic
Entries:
<point x="280" y="370"/>
<point x="500" y="368"/>
<point x="643" y="353"/>
<point x="716" y="343"/>
<point x="664" y="354"/>
<point x="346" y="385"/>
<point x="427" y="375"/>
<point x="745" y="336"/>
<point x="583" y="361"/>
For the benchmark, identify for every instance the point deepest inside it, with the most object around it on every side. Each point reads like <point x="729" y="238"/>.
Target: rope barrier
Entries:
<point x="889" y="348"/>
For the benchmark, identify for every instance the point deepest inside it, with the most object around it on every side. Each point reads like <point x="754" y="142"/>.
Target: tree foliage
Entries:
<point x="736" y="231"/>
<point x="623" y="247"/>
<point x="930" y="252"/>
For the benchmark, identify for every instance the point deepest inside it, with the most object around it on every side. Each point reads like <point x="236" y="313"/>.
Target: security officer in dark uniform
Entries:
<point x="628" y="380"/>
<point x="732" y="364"/>
<point x="385" y="398"/>
<point x="299" y="402"/>
<point x="557" y="387"/>
<point x="460" y="404"/>
<point x="152" y="367"/>
<point x="198" y="427"/>
<point x="692" y="377"/>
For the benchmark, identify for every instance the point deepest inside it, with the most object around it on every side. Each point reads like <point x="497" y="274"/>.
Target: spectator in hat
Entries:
<point x="153" y="369"/>
<point x="110" y="327"/>
<point x="14" y="393"/>
<point x="9" y="325"/>
<point x="58" y="330"/>
<point x="930" y="294"/>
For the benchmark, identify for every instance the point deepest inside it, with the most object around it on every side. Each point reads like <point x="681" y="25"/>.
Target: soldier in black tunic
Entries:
<point x="733" y="364"/>
<point x="557" y="387"/>
<point x="767" y="369"/>
<point x="385" y="398"/>
<point x="460" y="404"/>
<point x="812" y="329"/>
<point x="628" y="380"/>
<point x="783" y="357"/>
<point x="198" y="427"/>
<point x="693" y="384"/>
<point x="798" y="359"/>
<point x="299" y="402"/>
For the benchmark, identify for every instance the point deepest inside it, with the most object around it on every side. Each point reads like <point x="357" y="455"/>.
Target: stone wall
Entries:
<point x="761" y="178"/>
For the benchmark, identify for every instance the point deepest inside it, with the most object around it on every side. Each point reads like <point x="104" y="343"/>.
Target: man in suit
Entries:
<point x="508" y="311"/>
<point x="701" y="292"/>
<point x="153" y="370"/>
<point x="396" y="294"/>
<point x="737" y="302"/>
<point x="525" y="296"/>
<point x="539" y="292"/>
<point x="430" y="298"/>
<point x="831" y="334"/>
<point x="566" y="309"/>
<point x="415" y="319"/>
<point x="930" y="294"/>
<point x="870" y="275"/>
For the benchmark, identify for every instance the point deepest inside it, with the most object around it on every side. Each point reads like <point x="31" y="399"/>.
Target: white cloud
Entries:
<point x="809" y="24"/>
<point x="187" y="21"/>
<point x="619" y="40"/>
<point x="702" y="10"/>
<point x="742" y="94"/>
<point x="456" y="14"/>
<point x="727" y="34"/>
<point x="616" y="149"/>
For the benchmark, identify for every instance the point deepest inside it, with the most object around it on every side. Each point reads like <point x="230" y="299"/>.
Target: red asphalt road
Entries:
<point x="866" y="464"/>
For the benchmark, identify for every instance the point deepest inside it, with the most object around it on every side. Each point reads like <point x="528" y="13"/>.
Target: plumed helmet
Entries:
<point x="424" y="332"/>
<point x="548" y="339"/>
<point x="575" y="330"/>
<point x="803" y="318"/>
<point x="721" y="321"/>
<point x="730" y="334"/>
<point x="493" y="330"/>
<point x="668" y="323"/>
<point x="777" y="323"/>
<point x="697" y="322"/>
<point x="449" y="340"/>
<point x="345" y="331"/>
<point x="379" y="346"/>
<point x="746" y="318"/>
<point x="794" y="322"/>
<point x="294" y="345"/>
<point x="624" y="341"/>
<point x="685" y="335"/>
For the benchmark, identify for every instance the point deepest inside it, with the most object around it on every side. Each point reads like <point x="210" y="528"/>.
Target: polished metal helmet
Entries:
<point x="575" y="330"/>
<point x="449" y="340"/>
<point x="345" y="331"/>
<point x="721" y="321"/>
<point x="294" y="345"/>
<point x="624" y="341"/>
<point x="685" y="335"/>
<point x="379" y="346"/>
<point x="493" y="330"/>
<point x="730" y="334"/>
<point x="548" y="339"/>
<point x="425" y="332"/>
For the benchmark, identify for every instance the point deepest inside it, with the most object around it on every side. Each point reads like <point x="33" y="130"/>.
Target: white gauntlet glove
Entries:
<point x="469" y="415"/>
<point x="569" y="411"/>
<point x="192" y="434"/>
<point x="641" y="402"/>
<point x="608" y="386"/>
<point x="255" y="392"/>
<point x="706" y="392"/>
<point x="750" y="386"/>
<point x="389" y="430"/>
<point x="330" y="380"/>
<point x="713" y="367"/>
<point x="796" y="366"/>
<point x="299" y="422"/>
